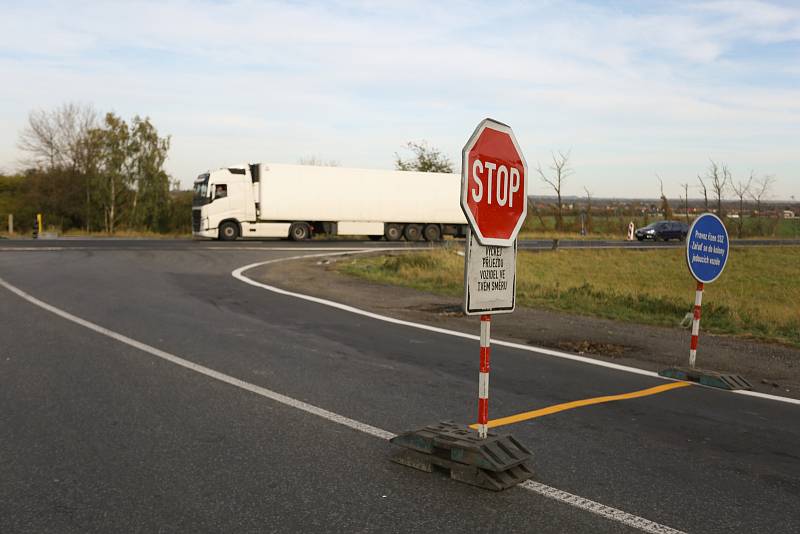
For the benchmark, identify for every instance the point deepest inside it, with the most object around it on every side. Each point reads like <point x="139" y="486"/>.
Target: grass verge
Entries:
<point x="758" y="295"/>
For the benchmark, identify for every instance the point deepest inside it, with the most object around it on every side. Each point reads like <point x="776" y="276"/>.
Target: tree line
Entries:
<point x="715" y="185"/>
<point x="97" y="174"/>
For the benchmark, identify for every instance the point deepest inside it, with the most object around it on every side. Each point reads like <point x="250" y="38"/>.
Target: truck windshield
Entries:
<point x="200" y="190"/>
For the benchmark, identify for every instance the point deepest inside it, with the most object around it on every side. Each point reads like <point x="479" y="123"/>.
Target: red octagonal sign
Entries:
<point x="494" y="184"/>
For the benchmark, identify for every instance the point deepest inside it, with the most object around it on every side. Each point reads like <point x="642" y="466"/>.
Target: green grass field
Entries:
<point x="758" y="294"/>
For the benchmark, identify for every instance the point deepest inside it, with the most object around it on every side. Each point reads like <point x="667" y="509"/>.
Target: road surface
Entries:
<point x="143" y="387"/>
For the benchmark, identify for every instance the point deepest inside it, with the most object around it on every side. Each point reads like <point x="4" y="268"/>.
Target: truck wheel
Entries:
<point x="393" y="232"/>
<point x="413" y="232"/>
<point x="299" y="232"/>
<point x="432" y="232"/>
<point x="228" y="231"/>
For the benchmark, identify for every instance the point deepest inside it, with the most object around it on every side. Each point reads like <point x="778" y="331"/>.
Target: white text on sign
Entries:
<point x="505" y="182"/>
<point x="708" y="252"/>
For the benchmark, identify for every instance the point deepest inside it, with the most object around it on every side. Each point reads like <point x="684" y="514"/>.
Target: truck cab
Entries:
<point x="224" y="201"/>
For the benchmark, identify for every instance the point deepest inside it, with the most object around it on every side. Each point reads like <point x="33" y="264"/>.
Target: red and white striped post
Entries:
<point x="698" y="299"/>
<point x="483" y="377"/>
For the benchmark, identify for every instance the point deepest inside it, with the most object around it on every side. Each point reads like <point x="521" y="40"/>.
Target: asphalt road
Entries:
<point x="98" y="435"/>
<point x="189" y="244"/>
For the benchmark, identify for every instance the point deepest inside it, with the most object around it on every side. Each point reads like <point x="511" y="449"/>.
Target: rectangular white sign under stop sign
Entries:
<point x="490" y="277"/>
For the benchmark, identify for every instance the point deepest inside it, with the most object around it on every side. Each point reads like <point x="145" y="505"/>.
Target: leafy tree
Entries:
<point x="426" y="159"/>
<point x="91" y="174"/>
<point x="151" y="196"/>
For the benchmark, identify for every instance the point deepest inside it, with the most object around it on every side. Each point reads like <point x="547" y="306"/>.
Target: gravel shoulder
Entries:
<point x="771" y="368"/>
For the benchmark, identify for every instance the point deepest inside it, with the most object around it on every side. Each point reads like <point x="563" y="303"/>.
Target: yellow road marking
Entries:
<point x="585" y="402"/>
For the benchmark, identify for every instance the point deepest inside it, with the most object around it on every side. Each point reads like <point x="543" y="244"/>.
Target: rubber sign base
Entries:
<point x="495" y="463"/>
<point x="707" y="378"/>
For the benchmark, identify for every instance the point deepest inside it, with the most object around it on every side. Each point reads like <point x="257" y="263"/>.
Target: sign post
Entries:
<point x="494" y="198"/>
<point x="707" y="248"/>
<point x="706" y="255"/>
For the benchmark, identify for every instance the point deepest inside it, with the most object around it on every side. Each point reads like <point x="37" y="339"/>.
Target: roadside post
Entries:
<point x="37" y="225"/>
<point x="494" y="199"/>
<point x="707" y="250"/>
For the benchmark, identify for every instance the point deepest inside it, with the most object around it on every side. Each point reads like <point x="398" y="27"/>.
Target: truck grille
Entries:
<point x="195" y="220"/>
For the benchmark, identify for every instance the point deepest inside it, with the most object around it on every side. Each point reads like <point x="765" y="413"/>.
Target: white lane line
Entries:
<point x="550" y="492"/>
<point x="239" y="275"/>
<point x="595" y="507"/>
<point x="264" y="392"/>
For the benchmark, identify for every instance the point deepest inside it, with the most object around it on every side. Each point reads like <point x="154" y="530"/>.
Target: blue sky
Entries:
<point x="631" y="88"/>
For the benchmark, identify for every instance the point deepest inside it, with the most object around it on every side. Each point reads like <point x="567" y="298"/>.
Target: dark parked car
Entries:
<point x="663" y="231"/>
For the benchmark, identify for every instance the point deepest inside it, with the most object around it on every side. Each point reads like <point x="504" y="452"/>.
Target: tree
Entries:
<point x="57" y="143"/>
<point x="704" y="189"/>
<point x="686" y="200"/>
<point x="561" y="170"/>
<point x="741" y="190"/>
<point x="588" y="210"/>
<point x="91" y="174"/>
<point x="666" y="210"/>
<point x="719" y="177"/>
<point x="426" y="159"/>
<point x="114" y="138"/>
<point x="53" y="139"/>
<point x="151" y="184"/>
<point x="761" y="189"/>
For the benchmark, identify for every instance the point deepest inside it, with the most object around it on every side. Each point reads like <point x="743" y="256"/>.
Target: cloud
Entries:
<point x="352" y="81"/>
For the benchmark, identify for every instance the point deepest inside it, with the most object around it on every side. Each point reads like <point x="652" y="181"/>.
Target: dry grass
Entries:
<point x="758" y="295"/>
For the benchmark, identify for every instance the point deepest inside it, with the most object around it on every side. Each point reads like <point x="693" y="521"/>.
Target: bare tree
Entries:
<point x="666" y="210"/>
<point x="704" y="189"/>
<point x="741" y="189"/>
<point x="60" y="139"/>
<point x="719" y="177"/>
<point x="54" y="139"/>
<point x="561" y="171"/>
<point x="588" y="210"/>
<point x="761" y="189"/>
<point x="686" y="200"/>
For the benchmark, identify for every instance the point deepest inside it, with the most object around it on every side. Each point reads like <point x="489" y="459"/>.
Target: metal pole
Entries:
<point x="483" y="377"/>
<point x="698" y="299"/>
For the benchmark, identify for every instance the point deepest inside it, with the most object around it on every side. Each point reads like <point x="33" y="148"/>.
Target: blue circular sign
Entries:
<point x="707" y="248"/>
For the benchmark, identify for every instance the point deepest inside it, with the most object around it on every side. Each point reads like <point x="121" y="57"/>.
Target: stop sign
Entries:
<point x="494" y="184"/>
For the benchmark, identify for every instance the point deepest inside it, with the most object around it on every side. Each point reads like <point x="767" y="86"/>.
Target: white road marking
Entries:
<point x="602" y="510"/>
<point x="239" y="275"/>
<point x="264" y="392"/>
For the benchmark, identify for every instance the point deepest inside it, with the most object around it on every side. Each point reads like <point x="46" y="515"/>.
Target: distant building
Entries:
<point x="788" y="214"/>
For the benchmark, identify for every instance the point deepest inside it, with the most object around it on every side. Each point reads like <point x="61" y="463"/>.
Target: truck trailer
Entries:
<point x="296" y="201"/>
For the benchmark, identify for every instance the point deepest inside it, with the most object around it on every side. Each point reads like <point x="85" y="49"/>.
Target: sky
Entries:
<point x="631" y="89"/>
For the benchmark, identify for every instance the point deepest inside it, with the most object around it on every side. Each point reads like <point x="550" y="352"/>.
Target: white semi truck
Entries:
<point x="295" y="201"/>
